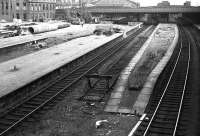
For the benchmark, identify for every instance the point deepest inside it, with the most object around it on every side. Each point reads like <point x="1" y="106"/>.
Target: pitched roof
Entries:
<point x="123" y="3"/>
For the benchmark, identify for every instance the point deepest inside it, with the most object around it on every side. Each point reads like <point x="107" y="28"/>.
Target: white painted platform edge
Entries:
<point x="197" y="26"/>
<point x="137" y="125"/>
<point x="157" y="71"/>
<point x="145" y="31"/>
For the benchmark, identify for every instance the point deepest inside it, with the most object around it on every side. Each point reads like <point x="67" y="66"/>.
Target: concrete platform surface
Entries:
<point x="120" y="86"/>
<point x="33" y="66"/>
<point x="73" y="29"/>
<point x="142" y="99"/>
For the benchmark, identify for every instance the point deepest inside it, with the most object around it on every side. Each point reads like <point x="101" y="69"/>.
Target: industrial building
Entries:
<point x="27" y="10"/>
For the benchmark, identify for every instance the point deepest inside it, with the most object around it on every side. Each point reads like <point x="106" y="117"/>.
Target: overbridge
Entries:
<point x="170" y="9"/>
<point x="146" y="14"/>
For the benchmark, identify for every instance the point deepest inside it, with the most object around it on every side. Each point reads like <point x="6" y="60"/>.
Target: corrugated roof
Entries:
<point x="123" y="3"/>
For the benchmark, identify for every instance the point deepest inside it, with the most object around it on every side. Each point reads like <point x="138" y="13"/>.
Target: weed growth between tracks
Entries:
<point x="72" y="117"/>
<point x="151" y="57"/>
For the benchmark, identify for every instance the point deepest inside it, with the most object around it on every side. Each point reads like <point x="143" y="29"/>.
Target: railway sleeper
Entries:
<point x="33" y="102"/>
<point x="167" y="113"/>
<point x="167" y="125"/>
<point x="6" y="122"/>
<point x="173" y="101"/>
<point x="164" y="118"/>
<point x="167" y="107"/>
<point x="55" y="88"/>
<point x="18" y="114"/>
<point x="160" y="132"/>
<point x="161" y="121"/>
<point x="12" y="117"/>
<point x="3" y="127"/>
<point x="29" y="105"/>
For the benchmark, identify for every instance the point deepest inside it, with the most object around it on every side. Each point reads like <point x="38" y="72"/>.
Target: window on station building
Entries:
<point x="24" y="5"/>
<point x="24" y="16"/>
<point x="31" y="7"/>
<point x="33" y="17"/>
<point x="2" y="4"/>
<point x="17" y="16"/>
<point x="17" y="6"/>
<point x="2" y="7"/>
<point x="49" y="6"/>
<point x="6" y="5"/>
<point x="39" y="7"/>
<point x="36" y="7"/>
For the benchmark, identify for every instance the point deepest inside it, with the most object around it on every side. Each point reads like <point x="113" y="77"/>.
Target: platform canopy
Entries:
<point x="115" y="3"/>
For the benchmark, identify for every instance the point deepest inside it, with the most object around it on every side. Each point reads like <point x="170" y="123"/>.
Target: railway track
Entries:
<point x="164" y="109"/>
<point x="102" y="86"/>
<point x="56" y="90"/>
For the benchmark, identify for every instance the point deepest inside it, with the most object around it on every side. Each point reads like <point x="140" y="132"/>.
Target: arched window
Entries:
<point x="47" y="8"/>
<point x="6" y="5"/>
<point x="2" y="5"/>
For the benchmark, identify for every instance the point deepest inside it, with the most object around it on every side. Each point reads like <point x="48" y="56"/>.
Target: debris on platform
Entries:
<point x="101" y="123"/>
<point x="90" y="104"/>
<point x="14" y="68"/>
<point x="108" y="133"/>
<point x="105" y="29"/>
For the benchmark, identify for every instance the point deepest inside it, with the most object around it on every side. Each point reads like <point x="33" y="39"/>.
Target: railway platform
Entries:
<point x="13" y="41"/>
<point x="139" y="99"/>
<point x="33" y="66"/>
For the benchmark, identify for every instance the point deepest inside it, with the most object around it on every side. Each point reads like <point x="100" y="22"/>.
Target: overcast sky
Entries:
<point x="172" y="2"/>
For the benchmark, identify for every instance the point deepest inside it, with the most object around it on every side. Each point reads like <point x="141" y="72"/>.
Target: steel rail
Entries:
<point x="183" y="94"/>
<point x="165" y="90"/>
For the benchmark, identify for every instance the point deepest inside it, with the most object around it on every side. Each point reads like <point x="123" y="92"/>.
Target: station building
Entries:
<point x="27" y="10"/>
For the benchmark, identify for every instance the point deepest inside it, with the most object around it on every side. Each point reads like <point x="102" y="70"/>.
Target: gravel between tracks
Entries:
<point x="75" y="118"/>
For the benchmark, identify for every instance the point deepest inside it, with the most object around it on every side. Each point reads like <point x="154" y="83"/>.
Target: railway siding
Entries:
<point x="143" y="98"/>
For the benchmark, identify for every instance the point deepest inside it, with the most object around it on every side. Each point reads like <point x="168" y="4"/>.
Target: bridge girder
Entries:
<point x="144" y="10"/>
